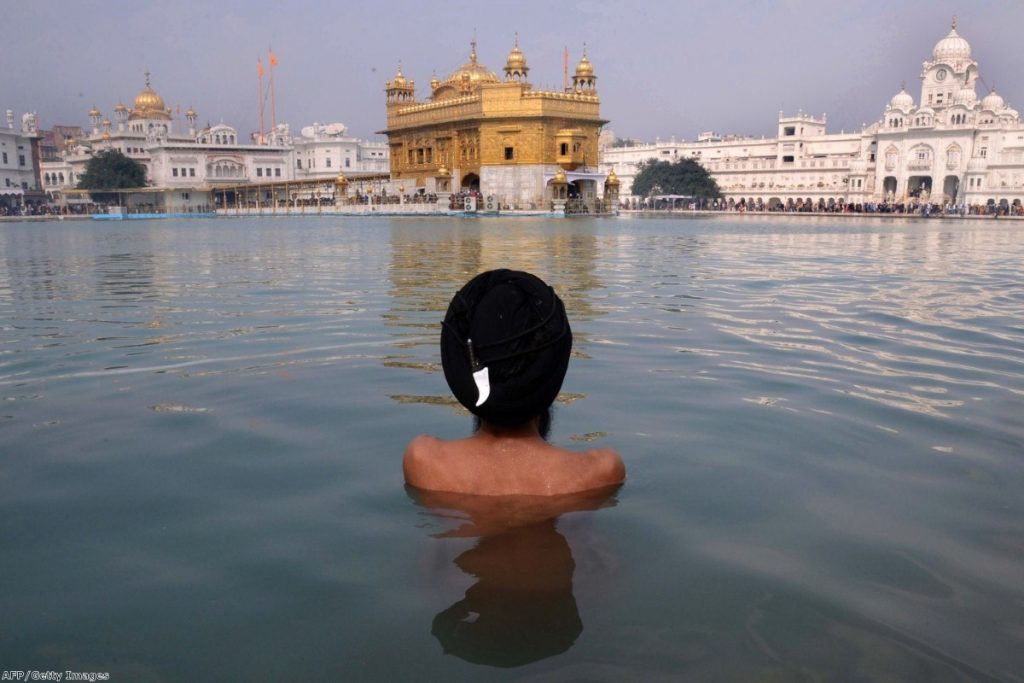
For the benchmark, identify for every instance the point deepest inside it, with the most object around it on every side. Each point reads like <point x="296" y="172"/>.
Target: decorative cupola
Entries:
<point x="515" y="67"/>
<point x="341" y="189"/>
<point x="993" y="101"/>
<point x="584" y="80"/>
<point x="94" y="117"/>
<point x="121" y="114"/>
<point x="444" y="179"/>
<point x="399" y="89"/>
<point x="611" y="189"/>
<point x="190" y="116"/>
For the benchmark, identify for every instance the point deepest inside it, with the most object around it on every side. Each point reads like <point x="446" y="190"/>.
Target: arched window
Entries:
<point x="891" y="156"/>
<point x="953" y="154"/>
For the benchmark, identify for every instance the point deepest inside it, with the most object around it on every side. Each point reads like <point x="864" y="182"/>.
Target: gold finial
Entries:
<point x="517" y="39"/>
<point x="472" y="51"/>
<point x="147" y="78"/>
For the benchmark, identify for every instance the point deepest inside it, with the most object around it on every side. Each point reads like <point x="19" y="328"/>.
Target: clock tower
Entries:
<point x="950" y="71"/>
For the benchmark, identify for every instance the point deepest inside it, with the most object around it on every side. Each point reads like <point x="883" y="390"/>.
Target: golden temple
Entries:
<point x="520" y="147"/>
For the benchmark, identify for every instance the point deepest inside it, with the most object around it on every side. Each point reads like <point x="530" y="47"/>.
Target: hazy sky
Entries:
<point x="663" y="68"/>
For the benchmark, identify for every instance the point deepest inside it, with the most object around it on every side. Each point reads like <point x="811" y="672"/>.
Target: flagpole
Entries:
<point x="565" y="69"/>
<point x="259" y="78"/>
<point x="273" y="103"/>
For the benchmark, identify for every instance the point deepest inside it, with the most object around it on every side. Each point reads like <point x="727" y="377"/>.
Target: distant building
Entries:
<point x="948" y="148"/>
<point x="19" y="165"/>
<point x="475" y="131"/>
<point x="324" y="151"/>
<point x="186" y="169"/>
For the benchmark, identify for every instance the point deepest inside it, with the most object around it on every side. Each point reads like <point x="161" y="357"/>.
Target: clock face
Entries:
<point x="940" y="75"/>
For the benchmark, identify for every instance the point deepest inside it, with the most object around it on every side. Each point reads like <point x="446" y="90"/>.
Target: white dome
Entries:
<point x="952" y="47"/>
<point x="1012" y="113"/>
<point x="993" y="101"/>
<point x="902" y="99"/>
<point x="966" y="97"/>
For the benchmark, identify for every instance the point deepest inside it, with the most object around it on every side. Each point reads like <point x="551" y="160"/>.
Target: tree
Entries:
<point x="685" y="177"/>
<point x="112" y="170"/>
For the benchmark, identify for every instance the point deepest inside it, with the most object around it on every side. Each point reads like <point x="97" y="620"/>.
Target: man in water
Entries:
<point x="505" y="346"/>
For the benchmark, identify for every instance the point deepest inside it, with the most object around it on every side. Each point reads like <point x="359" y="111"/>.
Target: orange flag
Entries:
<point x="273" y="58"/>
<point x="259" y="66"/>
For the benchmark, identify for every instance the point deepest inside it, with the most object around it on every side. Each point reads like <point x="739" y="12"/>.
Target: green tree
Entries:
<point x="112" y="170"/>
<point x="686" y="177"/>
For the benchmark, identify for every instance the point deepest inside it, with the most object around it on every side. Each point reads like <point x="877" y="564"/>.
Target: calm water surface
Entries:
<point x="202" y="424"/>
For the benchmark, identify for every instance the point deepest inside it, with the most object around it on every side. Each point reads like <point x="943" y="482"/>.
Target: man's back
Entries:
<point x="495" y="462"/>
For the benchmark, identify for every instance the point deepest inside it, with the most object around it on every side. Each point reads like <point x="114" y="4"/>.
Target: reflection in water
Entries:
<point x="521" y="608"/>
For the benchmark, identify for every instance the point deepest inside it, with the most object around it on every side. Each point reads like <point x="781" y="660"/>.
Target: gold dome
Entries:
<point x="120" y="107"/>
<point x="560" y="178"/>
<point x="94" y="112"/>
<point x="472" y="73"/>
<point x="341" y="180"/>
<point x="516" y="60"/>
<point x="434" y="82"/>
<point x="106" y="135"/>
<point x="584" y="68"/>
<point x="191" y="113"/>
<point x="399" y="79"/>
<point x="443" y="172"/>
<point x="612" y="179"/>
<point x="149" y="105"/>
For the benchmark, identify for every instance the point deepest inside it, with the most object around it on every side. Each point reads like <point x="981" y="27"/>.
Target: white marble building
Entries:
<point x="191" y="163"/>
<point x="323" y="151"/>
<point x="949" y="147"/>
<point x="19" y="163"/>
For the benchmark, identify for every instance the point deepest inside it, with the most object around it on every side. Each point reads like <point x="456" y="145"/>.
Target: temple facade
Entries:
<point x="520" y="148"/>
<point x="948" y="147"/>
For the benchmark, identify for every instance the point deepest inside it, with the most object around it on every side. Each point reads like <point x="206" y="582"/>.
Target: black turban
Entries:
<point x="509" y="329"/>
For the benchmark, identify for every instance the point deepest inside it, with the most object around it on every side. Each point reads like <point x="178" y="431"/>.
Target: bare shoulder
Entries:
<point x="607" y="466"/>
<point x="420" y="458"/>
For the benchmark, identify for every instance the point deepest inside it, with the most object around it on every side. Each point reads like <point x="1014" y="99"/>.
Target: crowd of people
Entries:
<point x="905" y="208"/>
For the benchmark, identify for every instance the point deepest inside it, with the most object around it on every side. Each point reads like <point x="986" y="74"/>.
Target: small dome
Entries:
<point x="191" y="113"/>
<point x="993" y="101"/>
<point x="1012" y="113"/>
<point x="952" y="47"/>
<point x="106" y="123"/>
<point x="584" y="69"/>
<point x="435" y="83"/>
<point x="516" y="60"/>
<point x="560" y="178"/>
<point x="967" y="97"/>
<point x="443" y="172"/>
<point x="106" y="135"/>
<point x="902" y="100"/>
<point x="341" y="180"/>
<point x="120" y="107"/>
<point x="399" y="78"/>
<point x="612" y="179"/>
<point x="94" y="112"/>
